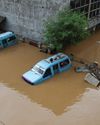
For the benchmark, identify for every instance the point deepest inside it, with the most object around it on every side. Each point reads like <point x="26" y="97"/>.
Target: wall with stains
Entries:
<point x="26" y="17"/>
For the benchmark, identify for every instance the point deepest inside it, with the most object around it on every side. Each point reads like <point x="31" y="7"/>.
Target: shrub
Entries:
<point x="66" y="28"/>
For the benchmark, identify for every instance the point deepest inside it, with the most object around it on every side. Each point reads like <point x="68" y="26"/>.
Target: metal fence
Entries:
<point x="90" y="8"/>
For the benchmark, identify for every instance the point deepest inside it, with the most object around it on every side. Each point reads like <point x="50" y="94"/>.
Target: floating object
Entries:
<point x="91" y="78"/>
<point x="81" y="69"/>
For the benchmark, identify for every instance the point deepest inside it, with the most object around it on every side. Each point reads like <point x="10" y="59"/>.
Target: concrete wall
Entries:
<point x="26" y="17"/>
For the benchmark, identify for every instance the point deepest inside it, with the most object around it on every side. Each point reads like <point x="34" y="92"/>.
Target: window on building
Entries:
<point x="84" y="5"/>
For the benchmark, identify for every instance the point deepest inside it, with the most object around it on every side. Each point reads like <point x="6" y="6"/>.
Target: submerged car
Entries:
<point x="47" y="68"/>
<point x="7" y="39"/>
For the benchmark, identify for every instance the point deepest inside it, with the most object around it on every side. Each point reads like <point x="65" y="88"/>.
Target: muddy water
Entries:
<point x="89" y="49"/>
<point x="66" y="98"/>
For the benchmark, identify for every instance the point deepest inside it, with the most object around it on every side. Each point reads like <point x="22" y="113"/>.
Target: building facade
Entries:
<point x="27" y="17"/>
<point x="90" y="8"/>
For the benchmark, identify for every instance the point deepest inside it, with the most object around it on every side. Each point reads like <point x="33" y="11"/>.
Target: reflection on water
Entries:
<point x="2" y="123"/>
<point x="17" y="109"/>
<point x="84" y="112"/>
<point x="56" y="95"/>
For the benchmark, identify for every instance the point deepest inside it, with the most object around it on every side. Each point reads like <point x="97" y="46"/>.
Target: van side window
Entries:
<point x="11" y="38"/>
<point x="55" y="67"/>
<point x="4" y="41"/>
<point x="47" y="73"/>
<point x="64" y="63"/>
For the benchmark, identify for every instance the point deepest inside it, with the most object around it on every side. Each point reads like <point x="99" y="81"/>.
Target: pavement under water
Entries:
<point x="64" y="99"/>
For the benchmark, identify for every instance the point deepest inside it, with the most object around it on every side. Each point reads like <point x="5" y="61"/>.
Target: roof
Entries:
<point x="5" y="34"/>
<point x="43" y="64"/>
<point x="46" y="63"/>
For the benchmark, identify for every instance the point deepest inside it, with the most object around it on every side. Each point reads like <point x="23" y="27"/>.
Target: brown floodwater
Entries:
<point x="64" y="99"/>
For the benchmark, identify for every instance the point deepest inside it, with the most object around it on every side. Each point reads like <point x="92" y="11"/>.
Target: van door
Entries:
<point x="47" y="74"/>
<point x="55" y="68"/>
<point x="4" y="42"/>
<point x="0" y="44"/>
<point x="65" y="65"/>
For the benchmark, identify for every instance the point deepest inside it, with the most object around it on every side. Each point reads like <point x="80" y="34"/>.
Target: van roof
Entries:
<point x="46" y="63"/>
<point x="6" y="34"/>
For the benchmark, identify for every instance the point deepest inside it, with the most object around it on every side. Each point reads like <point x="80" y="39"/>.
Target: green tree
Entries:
<point x="66" y="28"/>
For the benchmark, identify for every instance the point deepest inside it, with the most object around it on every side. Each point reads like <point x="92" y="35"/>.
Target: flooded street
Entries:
<point x="64" y="99"/>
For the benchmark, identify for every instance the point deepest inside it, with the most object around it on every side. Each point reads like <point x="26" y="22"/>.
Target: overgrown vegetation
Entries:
<point x="67" y="28"/>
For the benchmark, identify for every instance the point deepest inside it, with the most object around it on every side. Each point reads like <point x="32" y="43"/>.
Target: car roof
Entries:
<point x="6" y="34"/>
<point x="43" y="64"/>
<point x="52" y="60"/>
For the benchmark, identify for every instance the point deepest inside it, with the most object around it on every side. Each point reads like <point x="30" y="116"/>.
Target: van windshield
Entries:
<point x="38" y="69"/>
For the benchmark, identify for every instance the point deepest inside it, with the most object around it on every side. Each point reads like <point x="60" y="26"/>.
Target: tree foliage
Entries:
<point x="66" y="28"/>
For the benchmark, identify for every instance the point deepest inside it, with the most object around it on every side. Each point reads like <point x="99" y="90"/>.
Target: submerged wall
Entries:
<point x="26" y="17"/>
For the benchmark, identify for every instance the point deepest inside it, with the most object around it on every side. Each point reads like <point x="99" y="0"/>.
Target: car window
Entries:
<point x="4" y="41"/>
<point x="11" y="38"/>
<point x="38" y="69"/>
<point x="47" y="73"/>
<point x="64" y="63"/>
<point x="55" y="67"/>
